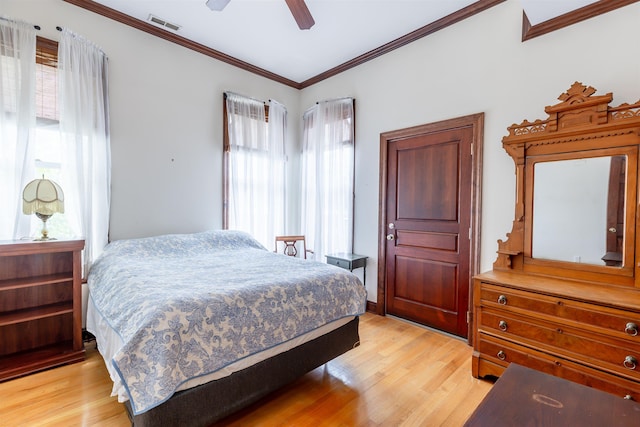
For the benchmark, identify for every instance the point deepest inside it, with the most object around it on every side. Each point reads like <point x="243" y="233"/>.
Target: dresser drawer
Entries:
<point x="583" y="315"/>
<point x="616" y="355"/>
<point x="503" y="352"/>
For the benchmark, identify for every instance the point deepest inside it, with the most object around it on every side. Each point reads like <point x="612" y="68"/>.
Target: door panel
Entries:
<point x="426" y="240"/>
<point x="428" y="214"/>
<point x="423" y="187"/>
<point x="437" y="295"/>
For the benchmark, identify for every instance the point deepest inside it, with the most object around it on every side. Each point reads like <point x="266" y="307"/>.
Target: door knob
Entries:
<point x="390" y="237"/>
<point x="612" y="230"/>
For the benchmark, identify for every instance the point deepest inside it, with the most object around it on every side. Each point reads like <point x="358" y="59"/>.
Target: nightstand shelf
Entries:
<point x="40" y="306"/>
<point x="349" y="262"/>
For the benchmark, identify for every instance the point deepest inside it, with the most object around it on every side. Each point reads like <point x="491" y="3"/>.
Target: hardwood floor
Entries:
<point x="401" y="375"/>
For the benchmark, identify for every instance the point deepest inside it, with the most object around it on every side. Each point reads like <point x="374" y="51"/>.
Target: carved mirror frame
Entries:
<point x="581" y="126"/>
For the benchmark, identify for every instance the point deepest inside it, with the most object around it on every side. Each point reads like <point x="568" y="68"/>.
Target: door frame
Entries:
<point x="476" y="122"/>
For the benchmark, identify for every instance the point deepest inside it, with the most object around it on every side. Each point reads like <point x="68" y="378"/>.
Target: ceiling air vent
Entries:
<point x="163" y="23"/>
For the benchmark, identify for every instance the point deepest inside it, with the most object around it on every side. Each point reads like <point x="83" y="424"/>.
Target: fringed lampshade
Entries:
<point x="44" y="198"/>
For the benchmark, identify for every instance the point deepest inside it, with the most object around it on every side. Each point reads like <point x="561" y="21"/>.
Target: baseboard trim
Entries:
<point x="372" y="307"/>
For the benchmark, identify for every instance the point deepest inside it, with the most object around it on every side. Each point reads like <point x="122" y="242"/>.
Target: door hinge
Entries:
<point x="469" y="233"/>
<point x="472" y="148"/>
<point x="468" y="317"/>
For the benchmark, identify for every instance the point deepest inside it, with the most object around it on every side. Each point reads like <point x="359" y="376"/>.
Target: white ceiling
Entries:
<point x="263" y="32"/>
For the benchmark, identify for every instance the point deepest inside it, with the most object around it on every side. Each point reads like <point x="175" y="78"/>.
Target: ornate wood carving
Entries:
<point x="581" y="121"/>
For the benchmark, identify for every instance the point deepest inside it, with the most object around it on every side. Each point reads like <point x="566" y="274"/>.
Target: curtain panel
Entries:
<point x="328" y="177"/>
<point x="84" y="127"/>
<point x="255" y="167"/>
<point x="17" y="123"/>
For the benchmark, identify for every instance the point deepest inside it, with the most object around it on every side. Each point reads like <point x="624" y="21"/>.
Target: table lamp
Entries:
<point x="44" y="198"/>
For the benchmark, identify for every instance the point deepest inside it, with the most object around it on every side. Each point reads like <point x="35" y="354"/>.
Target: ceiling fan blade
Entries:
<point x="301" y="14"/>
<point x="217" y="5"/>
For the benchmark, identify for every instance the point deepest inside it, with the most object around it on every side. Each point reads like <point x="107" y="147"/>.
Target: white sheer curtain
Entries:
<point x="255" y="167"/>
<point x="277" y="130"/>
<point x="327" y="177"/>
<point x="17" y="123"/>
<point x="84" y="127"/>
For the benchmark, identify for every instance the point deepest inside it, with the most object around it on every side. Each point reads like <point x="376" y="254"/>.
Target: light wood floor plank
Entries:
<point x="401" y="375"/>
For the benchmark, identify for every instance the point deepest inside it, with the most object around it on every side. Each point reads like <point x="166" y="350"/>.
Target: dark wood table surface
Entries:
<point x="523" y="397"/>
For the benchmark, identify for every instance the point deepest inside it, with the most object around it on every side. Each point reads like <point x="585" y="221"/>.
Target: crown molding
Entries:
<point x="118" y="16"/>
<point x="589" y="11"/>
<point x="528" y="32"/>
<point x="438" y="25"/>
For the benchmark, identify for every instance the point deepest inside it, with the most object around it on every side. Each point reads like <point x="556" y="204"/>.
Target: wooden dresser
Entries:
<point x="40" y="305"/>
<point x="569" y="329"/>
<point x="564" y="293"/>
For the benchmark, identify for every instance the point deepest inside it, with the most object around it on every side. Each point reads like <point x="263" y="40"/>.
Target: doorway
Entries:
<point x="430" y="188"/>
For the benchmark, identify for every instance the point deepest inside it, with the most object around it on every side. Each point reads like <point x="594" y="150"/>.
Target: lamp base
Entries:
<point x="44" y="232"/>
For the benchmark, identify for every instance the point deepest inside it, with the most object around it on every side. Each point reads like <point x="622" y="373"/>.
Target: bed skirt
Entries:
<point x="205" y="404"/>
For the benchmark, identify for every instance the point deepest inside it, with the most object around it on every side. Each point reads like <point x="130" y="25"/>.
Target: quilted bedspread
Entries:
<point x="188" y="305"/>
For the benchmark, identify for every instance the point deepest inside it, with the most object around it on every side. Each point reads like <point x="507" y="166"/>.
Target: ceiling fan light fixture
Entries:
<point x="217" y="5"/>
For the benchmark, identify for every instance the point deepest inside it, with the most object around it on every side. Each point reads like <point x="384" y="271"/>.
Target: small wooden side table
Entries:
<point x="349" y="262"/>
<point x="523" y="396"/>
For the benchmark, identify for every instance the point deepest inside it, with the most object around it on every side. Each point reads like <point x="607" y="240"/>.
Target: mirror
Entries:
<point x="576" y="191"/>
<point x="578" y="210"/>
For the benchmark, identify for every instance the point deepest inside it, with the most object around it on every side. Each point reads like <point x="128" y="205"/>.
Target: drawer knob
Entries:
<point x="502" y="300"/>
<point x="501" y="355"/>
<point x="628" y="397"/>
<point x="630" y="362"/>
<point x="503" y="326"/>
<point x="631" y="329"/>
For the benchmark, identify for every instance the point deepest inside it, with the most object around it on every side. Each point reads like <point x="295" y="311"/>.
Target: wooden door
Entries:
<point x="428" y="224"/>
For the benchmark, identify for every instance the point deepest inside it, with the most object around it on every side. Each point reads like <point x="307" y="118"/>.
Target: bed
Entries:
<point x="193" y="327"/>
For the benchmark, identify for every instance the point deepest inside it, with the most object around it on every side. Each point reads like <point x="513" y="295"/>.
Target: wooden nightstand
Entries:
<point x="40" y="305"/>
<point x="349" y="262"/>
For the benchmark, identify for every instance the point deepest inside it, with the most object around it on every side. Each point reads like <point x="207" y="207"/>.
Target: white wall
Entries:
<point x="166" y="108"/>
<point x="478" y="65"/>
<point x="166" y="120"/>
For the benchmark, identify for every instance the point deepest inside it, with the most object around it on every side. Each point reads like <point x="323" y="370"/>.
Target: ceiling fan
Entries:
<point x="298" y="9"/>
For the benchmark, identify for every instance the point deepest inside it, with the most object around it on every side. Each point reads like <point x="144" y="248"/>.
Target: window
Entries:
<point x="45" y="136"/>
<point x="327" y="177"/>
<point x="254" y="185"/>
<point x="70" y="146"/>
<point x="48" y="147"/>
<point x="254" y="163"/>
